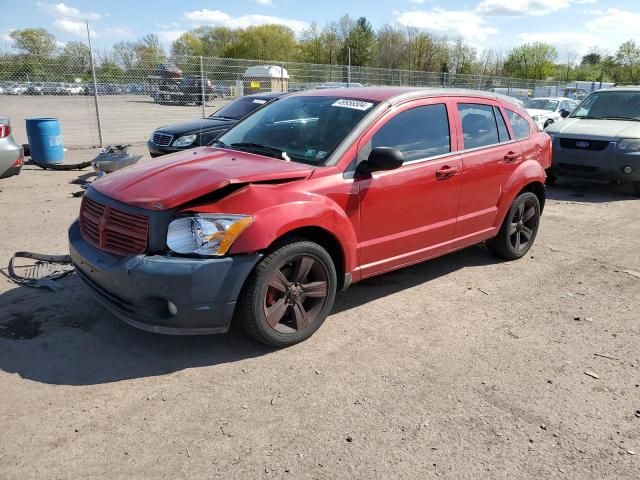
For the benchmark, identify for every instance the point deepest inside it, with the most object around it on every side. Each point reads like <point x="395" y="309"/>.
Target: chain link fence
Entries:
<point x="135" y="99"/>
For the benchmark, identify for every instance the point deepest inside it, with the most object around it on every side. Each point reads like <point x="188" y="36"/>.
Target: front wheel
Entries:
<point x="289" y="294"/>
<point x="519" y="229"/>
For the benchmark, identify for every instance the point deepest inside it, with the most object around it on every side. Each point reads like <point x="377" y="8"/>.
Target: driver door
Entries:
<point x="409" y="214"/>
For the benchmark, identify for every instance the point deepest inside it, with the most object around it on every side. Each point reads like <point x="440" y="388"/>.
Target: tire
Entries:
<point x="288" y="295"/>
<point x="636" y="188"/>
<point x="521" y="223"/>
<point x="548" y="122"/>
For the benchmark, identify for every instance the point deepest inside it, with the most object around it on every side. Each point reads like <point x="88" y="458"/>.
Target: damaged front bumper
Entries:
<point x="163" y="294"/>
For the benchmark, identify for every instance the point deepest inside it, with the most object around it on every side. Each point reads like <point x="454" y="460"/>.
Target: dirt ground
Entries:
<point x="462" y="368"/>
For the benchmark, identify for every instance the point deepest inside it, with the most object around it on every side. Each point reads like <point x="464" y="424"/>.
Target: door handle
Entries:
<point x="511" y="157"/>
<point x="446" y="172"/>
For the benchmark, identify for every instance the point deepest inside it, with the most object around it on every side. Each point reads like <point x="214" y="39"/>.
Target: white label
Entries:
<point x="259" y="100"/>
<point x="355" y="104"/>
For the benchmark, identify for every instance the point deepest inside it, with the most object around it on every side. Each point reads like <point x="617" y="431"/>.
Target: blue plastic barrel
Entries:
<point x="45" y="140"/>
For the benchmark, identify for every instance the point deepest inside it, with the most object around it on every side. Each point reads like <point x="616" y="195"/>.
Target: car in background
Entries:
<point x="193" y="133"/>
<point x="189" y="89"/>
<point x="15" y="89"/>
<point x="312" y="192"/>
<point x="600" y="140"/>
<point x="327" y="85"/>
<point x="35" y="88"/>
<point x="11" y="154"/>
<point x="547" y="110"/>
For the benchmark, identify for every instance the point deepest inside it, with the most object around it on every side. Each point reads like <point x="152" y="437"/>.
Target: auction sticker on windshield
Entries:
<point x="355" y="104"/>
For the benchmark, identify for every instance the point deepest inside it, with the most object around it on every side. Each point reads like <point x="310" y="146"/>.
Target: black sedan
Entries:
<point x="203" y="131"/>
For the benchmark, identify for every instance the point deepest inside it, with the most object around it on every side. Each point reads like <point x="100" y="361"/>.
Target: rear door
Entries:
<point x="490" y="154"/>
<point x="409" y="214"/>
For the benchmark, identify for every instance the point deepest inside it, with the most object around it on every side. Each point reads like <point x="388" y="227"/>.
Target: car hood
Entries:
<point x="207" y="123"/>
<point x="537" y="112"/>
<point x="596" y="129"/>
<point x="181" y="177"/>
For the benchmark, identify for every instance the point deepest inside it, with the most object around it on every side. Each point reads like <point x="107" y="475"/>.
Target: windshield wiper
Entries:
<point x="222" y="116"/>
<point x="615" y="117"/>
<point x="259" y="148"/>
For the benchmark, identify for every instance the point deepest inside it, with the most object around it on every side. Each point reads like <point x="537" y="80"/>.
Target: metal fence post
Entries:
<point x="95" y="87"/>
<point x="349" y="70"/>
<point x="202" y="96"/>
<point x="282" y="78"/>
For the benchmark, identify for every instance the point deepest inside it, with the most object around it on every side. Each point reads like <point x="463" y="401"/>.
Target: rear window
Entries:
<point x="519" y="125"/>
<point x="240" y="108"/>
<point x="479" y="127"/>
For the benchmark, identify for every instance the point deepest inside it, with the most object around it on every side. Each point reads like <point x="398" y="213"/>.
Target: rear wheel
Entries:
<point x="289" y="294"/>
<point x="519" y="229"/>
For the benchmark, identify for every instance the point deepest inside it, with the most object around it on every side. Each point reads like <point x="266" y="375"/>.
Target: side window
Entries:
<point x="419" y="132"/>
<point x="503" y="131"/>
<point x="479" y="127"/>
<point x="520" y="126"/>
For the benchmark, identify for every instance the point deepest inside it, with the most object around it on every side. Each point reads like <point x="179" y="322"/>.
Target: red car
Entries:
<point x="309" y="194"/>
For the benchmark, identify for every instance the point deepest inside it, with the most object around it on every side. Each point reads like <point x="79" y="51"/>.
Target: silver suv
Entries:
<point x="600" y="139"/>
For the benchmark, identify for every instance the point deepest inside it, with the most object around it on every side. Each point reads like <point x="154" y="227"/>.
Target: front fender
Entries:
<point x="528" y="172"/>
<point x="275" y="221"/>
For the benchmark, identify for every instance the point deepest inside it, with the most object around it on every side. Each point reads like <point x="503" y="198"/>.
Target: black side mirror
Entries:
<point x="564" y="113"/>
<point x="382" y="158"/>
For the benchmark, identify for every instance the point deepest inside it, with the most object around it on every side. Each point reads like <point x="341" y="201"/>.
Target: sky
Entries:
<point x="570" y="25"/>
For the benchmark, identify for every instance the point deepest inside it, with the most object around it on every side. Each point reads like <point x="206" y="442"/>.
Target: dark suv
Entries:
<point x="189" y="89"/>
<point x="202" y="131"/>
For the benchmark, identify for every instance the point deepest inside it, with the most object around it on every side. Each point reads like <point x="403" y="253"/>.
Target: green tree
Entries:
<point x="627" y="60"/>
<point x="75" y="58"/>
<point x="391" y="47"/>
<point x="532" y="60"/>
<point x="264" y="42"/>
<point x="312" y="48"/>
<point x="360" y="40"/>
<point x="34" y="41"/>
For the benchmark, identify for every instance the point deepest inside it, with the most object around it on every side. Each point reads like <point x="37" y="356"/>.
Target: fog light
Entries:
<point x="627" y="170"/>
<point x="173" y="310"/>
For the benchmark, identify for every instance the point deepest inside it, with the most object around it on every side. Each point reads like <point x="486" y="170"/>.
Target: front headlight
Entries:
<point x="628" y="145"/>
<point x="206" y="234"/>
<point x="185" y="140"/>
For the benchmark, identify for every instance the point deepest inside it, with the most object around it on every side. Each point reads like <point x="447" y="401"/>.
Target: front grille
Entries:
<point x="580" y="144"/>
<point x="578" y="168"/>
<point x="113" y="230"/>
<point x="162" y="139"/>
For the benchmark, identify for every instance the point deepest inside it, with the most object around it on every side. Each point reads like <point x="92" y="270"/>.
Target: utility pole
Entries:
<point x="95" y="86"/>
<point x="202" y="96"/>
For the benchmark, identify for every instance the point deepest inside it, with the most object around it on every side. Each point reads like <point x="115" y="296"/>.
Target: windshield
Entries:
<point x="623" y="105"/>
<point x="303" y="129"/>
<point x="240" y="108"/>
<point x="542" y="104"/>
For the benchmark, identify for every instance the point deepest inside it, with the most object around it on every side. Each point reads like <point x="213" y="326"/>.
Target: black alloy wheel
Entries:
<point x="519" y="229"/>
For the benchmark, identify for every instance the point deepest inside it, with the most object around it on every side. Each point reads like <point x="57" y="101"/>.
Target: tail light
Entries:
<point x="5" y="130"/>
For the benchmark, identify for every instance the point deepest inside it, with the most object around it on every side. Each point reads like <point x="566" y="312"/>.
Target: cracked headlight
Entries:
<point x="185" y="140"/>
<point x="206" y="234"/>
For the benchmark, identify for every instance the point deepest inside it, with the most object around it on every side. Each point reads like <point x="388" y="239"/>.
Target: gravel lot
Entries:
<point x="462" y="367"/>
<point x="124" y="118"/>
